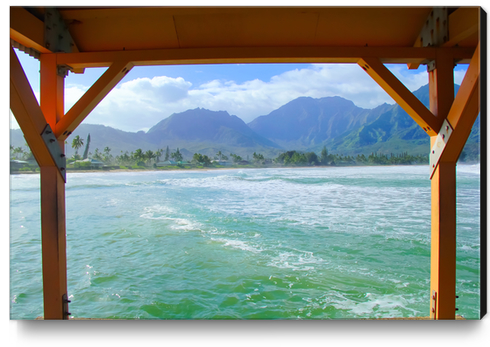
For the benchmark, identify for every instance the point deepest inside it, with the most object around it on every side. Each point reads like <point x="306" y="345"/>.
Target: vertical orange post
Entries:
<point x="53" y="224"/>
<point x="443" y="201"/>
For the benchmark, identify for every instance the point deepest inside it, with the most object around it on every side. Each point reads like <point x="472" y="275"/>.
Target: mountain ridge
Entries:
<point x="304" y="123"/>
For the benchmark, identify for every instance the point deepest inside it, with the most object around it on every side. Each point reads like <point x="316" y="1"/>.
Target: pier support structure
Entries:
<point x="447" y="36"/>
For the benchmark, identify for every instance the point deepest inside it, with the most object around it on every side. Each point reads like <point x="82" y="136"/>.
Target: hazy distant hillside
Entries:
<point x="192" y="131"/>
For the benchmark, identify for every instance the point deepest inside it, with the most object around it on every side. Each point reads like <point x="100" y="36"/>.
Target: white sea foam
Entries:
<point x="349" y="233"/>
<point x="471" y="169"/>
<point x="237" y="244"/>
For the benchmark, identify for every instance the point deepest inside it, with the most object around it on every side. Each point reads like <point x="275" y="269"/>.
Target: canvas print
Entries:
<point x="246" y="163"/>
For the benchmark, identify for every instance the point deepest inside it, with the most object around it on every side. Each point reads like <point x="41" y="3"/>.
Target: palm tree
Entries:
<point x="138" y="155"/>
<point x="107" y="156"/>
<point x="76" y="144"/>
<point x="158" y="154"/>
<point x="220" y="155"/>
<point x="149" y="155"/>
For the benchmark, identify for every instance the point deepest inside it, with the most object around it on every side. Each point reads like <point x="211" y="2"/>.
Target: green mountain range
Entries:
<point x="305" y="124"/>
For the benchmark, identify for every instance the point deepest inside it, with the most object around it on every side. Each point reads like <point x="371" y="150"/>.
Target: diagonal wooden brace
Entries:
<point x="28" y="114"/>
<point x="401" y="94"/>
<point x="92" y="97"/>
<point x="460" y="119"/>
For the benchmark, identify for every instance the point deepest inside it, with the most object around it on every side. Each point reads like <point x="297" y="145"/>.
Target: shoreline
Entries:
<point x="214" y="168"/>
<point x="225" y="168"/>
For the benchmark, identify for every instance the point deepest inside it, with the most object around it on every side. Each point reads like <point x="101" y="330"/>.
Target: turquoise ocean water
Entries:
<point x="319" y="243"/>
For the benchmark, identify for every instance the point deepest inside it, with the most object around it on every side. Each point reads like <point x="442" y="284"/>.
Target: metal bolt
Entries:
<point x="433" y="297"/>
<point x="62" y="155"/>
<point x="47" y="132"/>
<point x="433" y="310"/>
<point x="433" y="152"/>
<point x="433" y="165"/>
<point x="457" y="296"/>
<point x="62" y="169"/>
<point x="447" y="127"/>
<point x="443" y="136"/>
<point x="68" y="313"/>
<point x="52" y="140"/>
<point x="457" y="309"/>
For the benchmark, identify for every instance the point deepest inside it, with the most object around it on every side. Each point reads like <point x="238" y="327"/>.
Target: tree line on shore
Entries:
<point x="150" y="158"/>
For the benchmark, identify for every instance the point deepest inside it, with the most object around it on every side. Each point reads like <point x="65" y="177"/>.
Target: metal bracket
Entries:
<point x="57" y="38"/>
<point x="54" y="149"/>
<point x="439" y="145"/>
<point x="65" y="306"/>
<point x="436" y="30"/>
<point x="431" y="65"/>
<point x="63" y="70"/>
<point x="433" y="304"/>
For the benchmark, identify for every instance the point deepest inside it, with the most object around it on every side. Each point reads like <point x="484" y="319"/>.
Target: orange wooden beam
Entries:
<point x="441" y="87"/>
<point x="68" y="123"/>
<point x="53" y="221"/>
<point x="464" y="110"/>
<point x="401" y="94"/>
<point x="27" y="112"/>
<point x="460" y="114"/>
<point x="443" y="242"/>
<point x="463" y="23"/>
<point x="231" y="55"/>
<point x="26" y="29"/>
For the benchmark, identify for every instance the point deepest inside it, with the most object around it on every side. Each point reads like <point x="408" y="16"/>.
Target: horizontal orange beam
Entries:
<point x="232" y="55"/>
<point x="26" y="29"/>
<point x="401" y="94"/>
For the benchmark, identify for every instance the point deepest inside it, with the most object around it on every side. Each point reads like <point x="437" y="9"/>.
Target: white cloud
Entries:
<point x="142" y="102"/>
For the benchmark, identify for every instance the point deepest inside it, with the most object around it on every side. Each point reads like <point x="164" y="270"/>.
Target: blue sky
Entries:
<point x="149" y="94"/>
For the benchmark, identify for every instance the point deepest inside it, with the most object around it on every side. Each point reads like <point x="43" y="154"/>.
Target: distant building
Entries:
<point x="224" y="163"/>
<point x="166" y="163"/>
<point x="93" y="162"/>
<point x="18" y="164"/>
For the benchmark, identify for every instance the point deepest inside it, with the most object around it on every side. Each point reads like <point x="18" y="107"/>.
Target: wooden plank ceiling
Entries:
<point x="148" y="28"/>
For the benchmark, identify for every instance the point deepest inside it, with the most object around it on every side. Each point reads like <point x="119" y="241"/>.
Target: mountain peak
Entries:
<point x="206" y="126"/>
